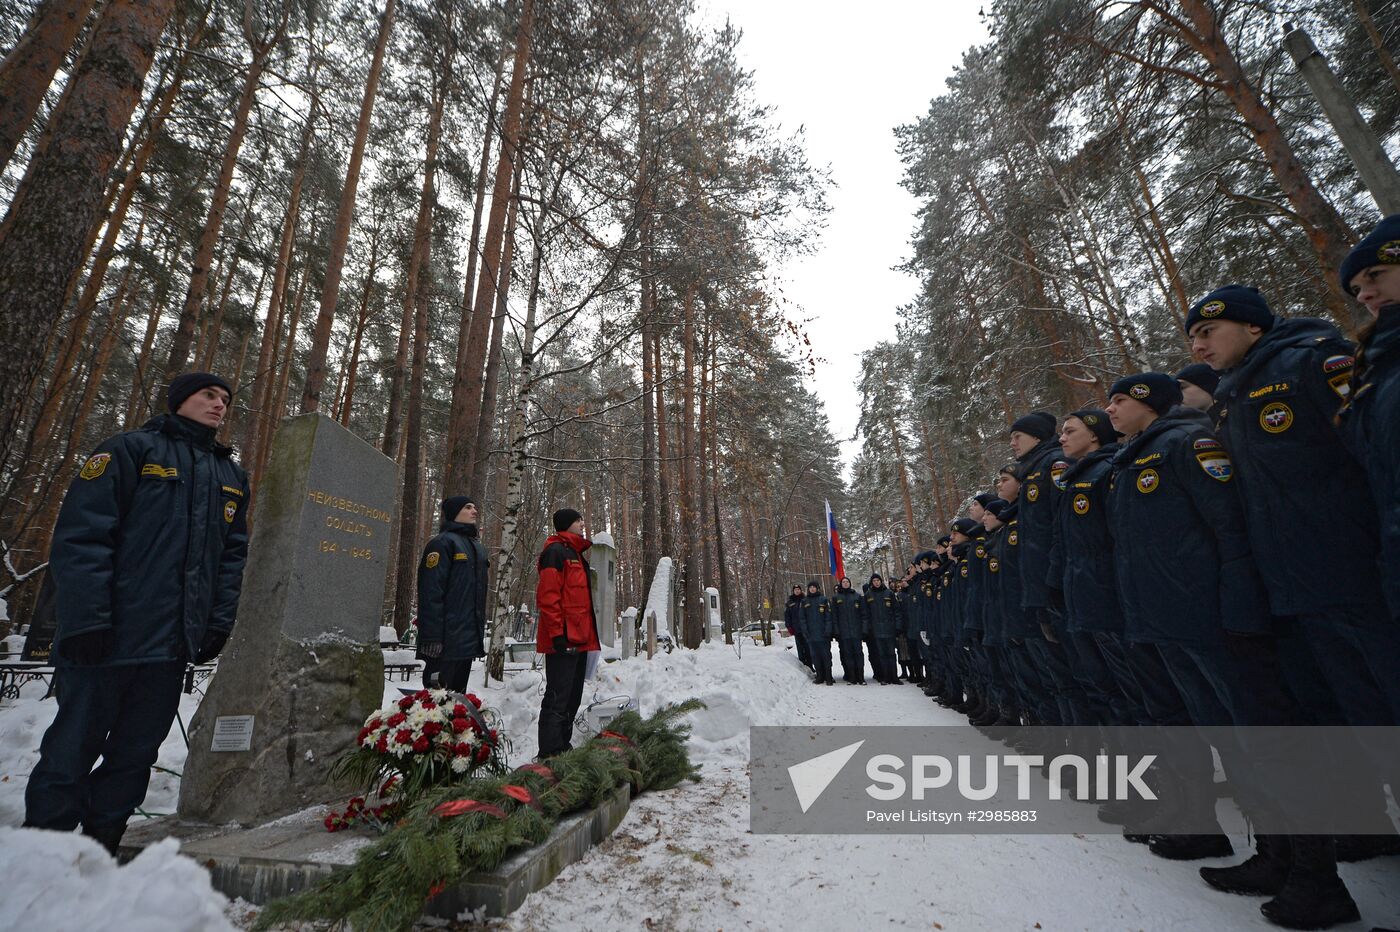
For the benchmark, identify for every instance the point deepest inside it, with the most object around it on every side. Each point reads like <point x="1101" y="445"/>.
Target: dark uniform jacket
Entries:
<point x="974" y="605"/>
<point x="1312" y="527"/>
<point x="1004" y="562"/>
<point x="1039" y="470"/>
<point x="954" y="596"/>
<point x="1081" y="560"/>
<point x="817" y="622"/>
<point x="792" y="614"/>
<point x="1371" y="424"/>
<point x="848" y="612"/>
<point x="1184" y="570"/>
<point x="452" y="593"/>
<point x="564" y="595"/>
<point x="882" y="611"/>
<point x="151" y="542"/>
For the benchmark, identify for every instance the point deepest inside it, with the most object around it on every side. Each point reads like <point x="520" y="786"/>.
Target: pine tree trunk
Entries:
<point x="1328" y="233"/>
<point x="218" y="205"/>
<point x="417" y="298"/>
<point x="663" y="452"/>
<point x="455" y="423"/>
<point x="29" y="68"/>
<point x="903" y="483"/>
<point x="487" y="423"/>
<point x="42" y="249"/>
<point x="468" y="383"/>
<point x="691" y="514"/>
<point x="347" y="403"/>
<point x="345" y="215"/>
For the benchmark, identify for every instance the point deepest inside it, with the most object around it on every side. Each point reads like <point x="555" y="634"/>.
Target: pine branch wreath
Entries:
<point x="474" y="826"/>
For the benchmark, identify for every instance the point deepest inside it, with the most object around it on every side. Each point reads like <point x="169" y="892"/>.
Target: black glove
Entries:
<point x="89" y="648"/>
<point x="213" y="643"/>
<point x="561" y="645"/>
<point x="430" y="649"/>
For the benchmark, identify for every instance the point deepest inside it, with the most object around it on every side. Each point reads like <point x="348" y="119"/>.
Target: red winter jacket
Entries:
<point x="563" y="595"/>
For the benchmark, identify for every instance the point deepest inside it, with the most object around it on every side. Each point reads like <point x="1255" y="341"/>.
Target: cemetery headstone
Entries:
<point x="303" y="669"/>
<point x="602" y="558"/>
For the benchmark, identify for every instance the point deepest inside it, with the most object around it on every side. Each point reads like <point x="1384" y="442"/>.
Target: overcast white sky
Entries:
<point x="850" y="75"/>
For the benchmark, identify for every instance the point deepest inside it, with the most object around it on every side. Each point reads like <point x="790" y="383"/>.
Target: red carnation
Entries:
<point x="422" y="744"/>
<point x="473" y="700"/>
<point x="427" y="703"/>
<point x="462" y="749"/>
<point x="405" y="736"/>
<point x="459" y="725"/>
<point x="396" y="719"/>
<point x="382" y="745"/>
<point x="364" y="733"/>
<point x="459" y="711"/>
<point x="482" y="753"/>
<point x="356" y="802"/>
<point x="432" y="728"/>
<point x="406" y="703"/>
<point x="373" y="723"/>
<point x="331" y="823"/>
<point x="422" y="694"/>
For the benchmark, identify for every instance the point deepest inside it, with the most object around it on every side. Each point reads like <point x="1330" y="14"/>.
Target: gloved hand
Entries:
<point x="214" y="642"/>
<point x="431" y="649"/>
<point x="88" y="648"/>
<point x="561" y="645"/>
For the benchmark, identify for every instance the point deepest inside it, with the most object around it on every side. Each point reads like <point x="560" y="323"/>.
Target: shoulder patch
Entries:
<point x="1205" y="443"/>
<point x="1334" y="363"/>
<point x="1148" y="481"/>
<point x="431" y="560"/>
<point x="1081" y="504"/>
<point x="1032" y="492"/>
<point x="1057" y="469"/>
<point x="96" y="465"/>
<point x="1341" y="384"/>
<point x="230" y="509"/>
<point x="1012" y="538"/>
<point x="1215" y="464"/>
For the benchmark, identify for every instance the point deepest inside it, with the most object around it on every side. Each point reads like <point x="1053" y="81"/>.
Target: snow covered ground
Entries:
<point x="684" y="859"/>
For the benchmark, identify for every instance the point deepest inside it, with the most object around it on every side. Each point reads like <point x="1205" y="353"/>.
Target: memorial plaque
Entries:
<point x="304" y="659"/>
<point x="602" y="559"/>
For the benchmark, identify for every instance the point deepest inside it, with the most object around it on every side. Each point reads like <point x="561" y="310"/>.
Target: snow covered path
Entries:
<point x="684" y="860"/>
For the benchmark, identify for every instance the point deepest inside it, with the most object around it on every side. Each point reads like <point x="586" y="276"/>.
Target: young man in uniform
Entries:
<point x="882" y="611"/>
<point x="817" y="627"/>
<point x="452" y="598"/>
<point x="147" y="563"/>
<point x="1206" y="611"/>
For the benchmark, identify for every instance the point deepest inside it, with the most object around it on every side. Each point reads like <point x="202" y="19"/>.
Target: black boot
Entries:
<point x="1313" y="897"/>
<point x="1263" y="874"/>
<point x="1351" y="848"/>
<point x="108" y="836"/>
<point x="1191" y="847"/>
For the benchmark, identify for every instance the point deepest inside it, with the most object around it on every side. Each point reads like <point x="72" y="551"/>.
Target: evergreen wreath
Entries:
<point x="454" y="830"/>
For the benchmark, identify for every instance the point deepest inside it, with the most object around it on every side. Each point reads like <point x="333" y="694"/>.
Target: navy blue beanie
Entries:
<point x="1380" y="247"/>
<point x="998" y="506"/>
<point x="1041" y="425"/>
<point x="454" y="504"/>
<point x="966" y="526"/>
<point x="187" y="383"/>
<point x="1097" y="421"/>
<point x="1239" y="303"/>
<point x="982" y="498"/>
<point x="1158" y="390"/>
<point x="945" y="539"/>
<point x="1200" y="375"/>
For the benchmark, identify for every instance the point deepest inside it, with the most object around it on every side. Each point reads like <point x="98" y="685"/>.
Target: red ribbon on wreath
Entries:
<point x="522" y="795"/>
<point x="623" y="738"/>
<point x="540" y="770"/>
<point x="458" y="807"/>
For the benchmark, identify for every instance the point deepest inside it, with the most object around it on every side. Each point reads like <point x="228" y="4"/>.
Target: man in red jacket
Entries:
<point x="568" y="629"/>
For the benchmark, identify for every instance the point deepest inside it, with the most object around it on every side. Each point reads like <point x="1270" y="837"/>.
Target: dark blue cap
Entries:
<point x="1158" y="390"/>
<point x="1239" y="303"/>
<point x="1380" y="247"/>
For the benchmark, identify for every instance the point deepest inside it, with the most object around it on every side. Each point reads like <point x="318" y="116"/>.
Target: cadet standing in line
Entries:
<point x="1207" y="613"/>
<point x="848" y="613"/>
<point x="883" y="614"/>
<point x="147" y="564"/>
<point x="818" y="629"/>
<point x="792" y="618"/>
<point x="1371" y="419"/>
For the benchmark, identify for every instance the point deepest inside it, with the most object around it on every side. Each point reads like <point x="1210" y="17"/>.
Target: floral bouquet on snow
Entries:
<point x="425" y="740"/>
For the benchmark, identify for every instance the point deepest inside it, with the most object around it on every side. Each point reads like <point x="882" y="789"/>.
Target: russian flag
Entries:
<point x="838" y="565"/>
